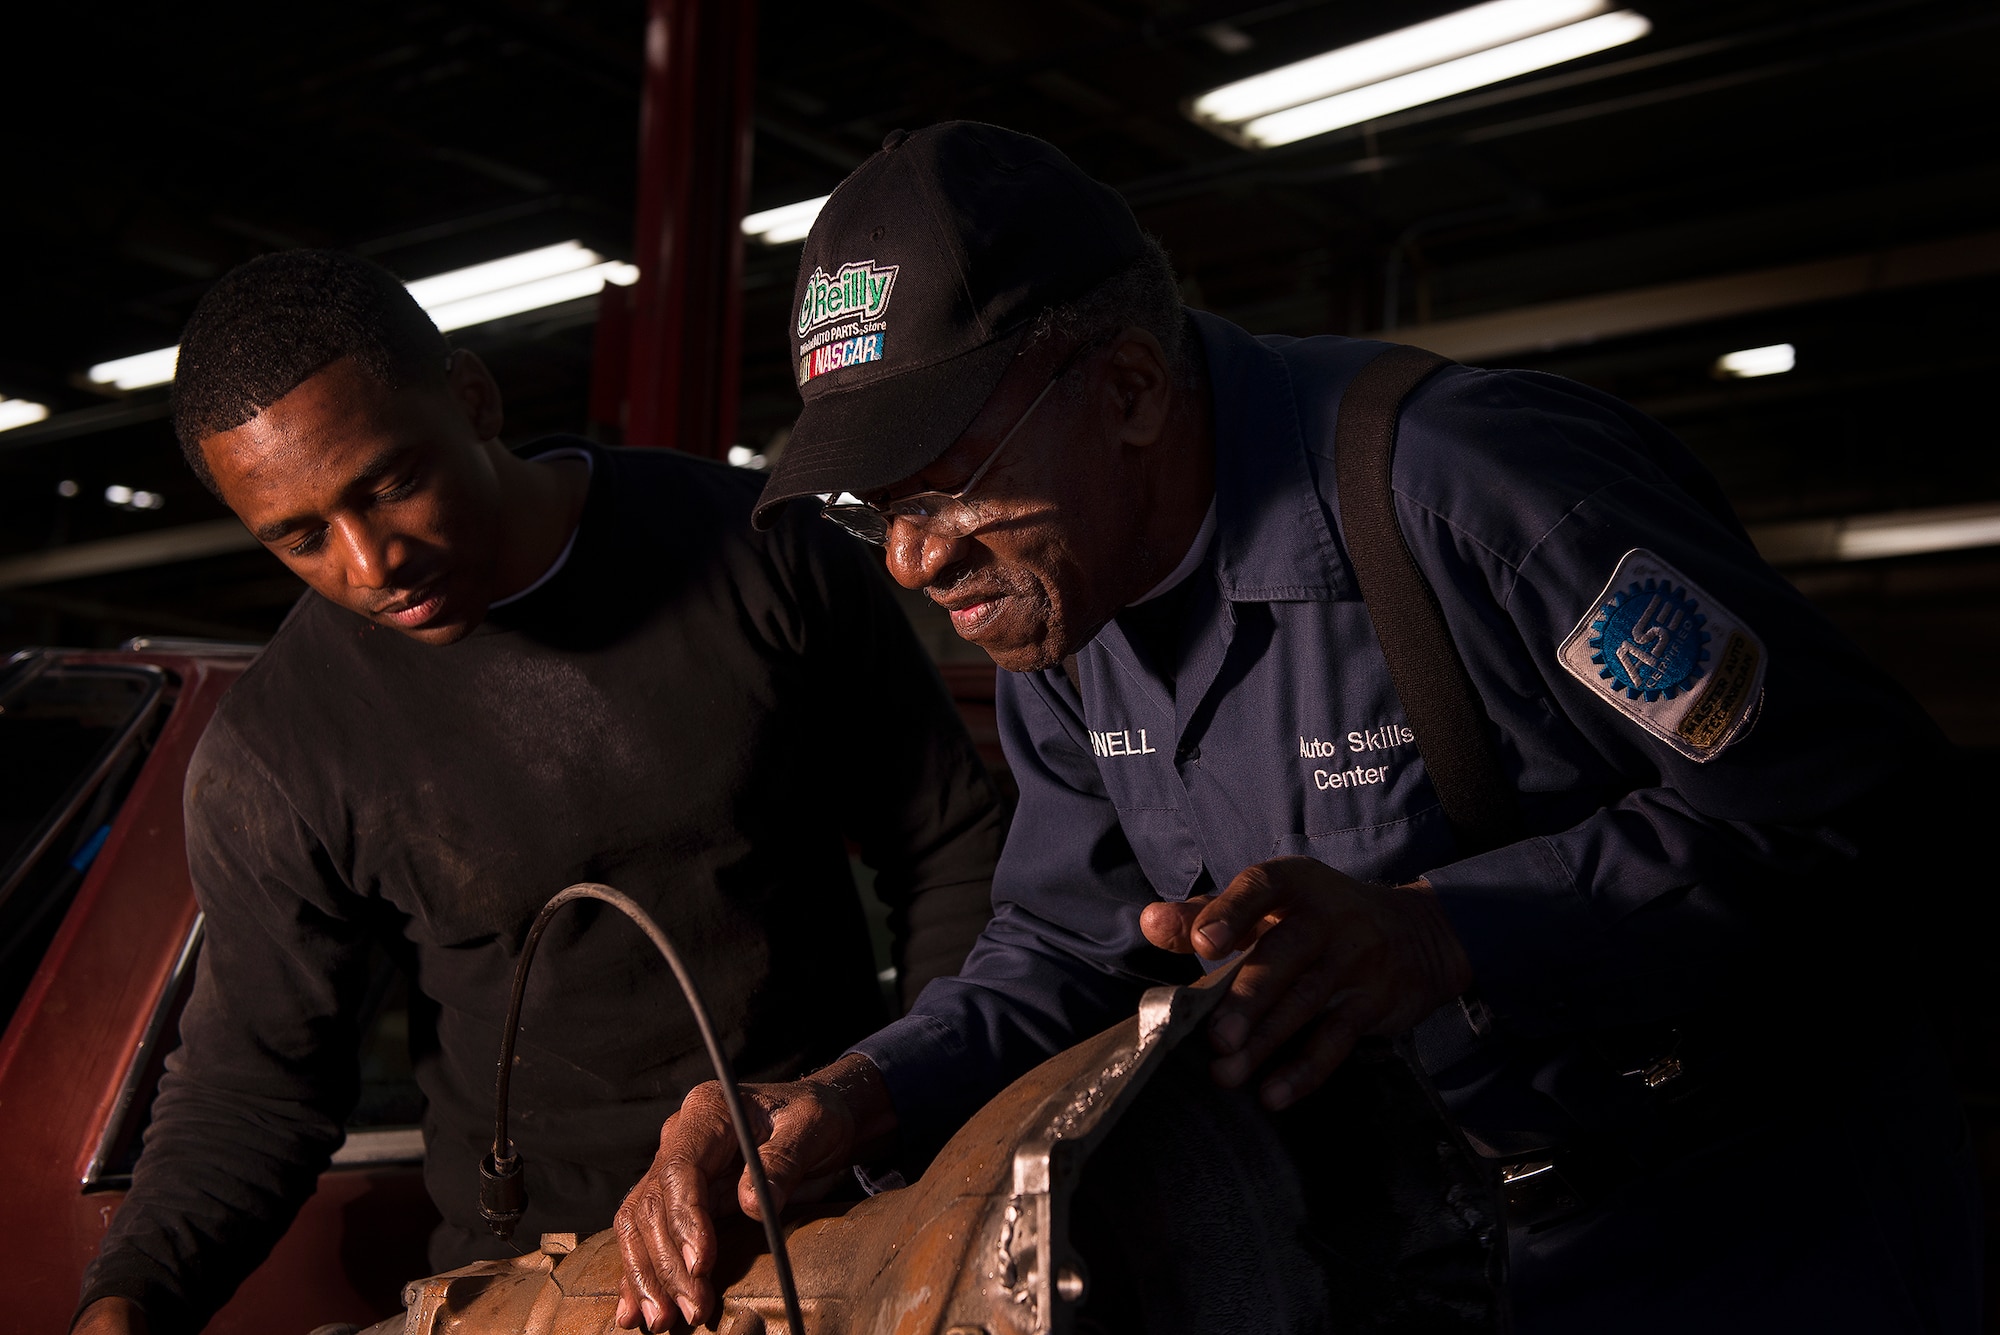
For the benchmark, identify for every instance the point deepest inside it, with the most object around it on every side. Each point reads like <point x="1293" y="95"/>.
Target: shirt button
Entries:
<point x="1189" y="754"/>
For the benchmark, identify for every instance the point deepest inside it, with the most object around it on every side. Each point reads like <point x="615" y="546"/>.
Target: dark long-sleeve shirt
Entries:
<point x="695" y="713"/>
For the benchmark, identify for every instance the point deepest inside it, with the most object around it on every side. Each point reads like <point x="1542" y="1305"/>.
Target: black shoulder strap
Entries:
<point x="1453" y="733"/>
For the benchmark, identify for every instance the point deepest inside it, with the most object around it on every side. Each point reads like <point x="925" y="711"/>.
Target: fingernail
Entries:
<point x="1215" y="936"/>
<point x="687" y="1309"/>
<point x="623" y="1319"/>
<point x="687" y="1255"/>
<point x="1277" y="1094"/>
<point x="656" y="1316"/>
<point x="1229" y="1032"/>
<point x="1228" y="1072"/>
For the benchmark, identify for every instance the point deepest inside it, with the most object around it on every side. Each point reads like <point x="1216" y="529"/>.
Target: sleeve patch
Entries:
<point x="1669" y="657"/>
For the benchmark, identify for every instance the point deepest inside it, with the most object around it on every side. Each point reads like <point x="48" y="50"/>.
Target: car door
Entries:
<point x="99" y="936"/>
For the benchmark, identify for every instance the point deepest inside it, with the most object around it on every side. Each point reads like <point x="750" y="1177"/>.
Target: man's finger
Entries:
<point x="639" y="1292"/>
<point x="627" y="1317"/>
<point x="1309" y="981"/>
<point x="1285" y="963"/>
<point x="654" y="1281"/>
<point x="1168" y="925"/>
<point x="665" y="1234"/>
<point x="1330" y="1045"/>
<point x="1293" y="998"/>
<point x="1231" y="919"/>
<point x="686" y="1212"/>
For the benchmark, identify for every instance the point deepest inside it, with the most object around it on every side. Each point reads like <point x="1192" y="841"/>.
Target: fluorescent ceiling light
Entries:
<point x="550" y="291"/>
<point x="1447" y="80"/>
<point x="1946" y="529"/>
<point x="137" y="371"/>
<point x="20" y="412"/>
<point x="788" y="222"/>
<point x="1871" y="537"/>
<point x="478" y="280"/>
<point x="1385" y="57"/>
<point x="1774" y="360"/>
<point x="1486" y="44"/>
<point x="455" y="299"/>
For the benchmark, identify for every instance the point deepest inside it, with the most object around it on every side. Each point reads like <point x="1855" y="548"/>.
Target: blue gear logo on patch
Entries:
<point x="1662" y="651"/>
<point x="1648" y="640"/>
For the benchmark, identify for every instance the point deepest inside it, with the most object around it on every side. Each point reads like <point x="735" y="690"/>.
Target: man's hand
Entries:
<point x="1326" y="953"/>
<point x="111" y="1316"/>
<point x="808" y="1131"/>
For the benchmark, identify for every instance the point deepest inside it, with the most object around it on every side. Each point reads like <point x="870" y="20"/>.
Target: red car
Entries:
<point x="98" y="938"/>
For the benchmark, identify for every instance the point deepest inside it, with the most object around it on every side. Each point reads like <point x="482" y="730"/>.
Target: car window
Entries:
<point x="72" y="737"/>
<point x="389" y="1093"/>
<point x="382" y="1129"/>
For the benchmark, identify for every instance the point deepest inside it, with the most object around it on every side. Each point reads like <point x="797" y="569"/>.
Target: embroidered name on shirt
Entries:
<point x="1358" y="777"/>
<point x="1119" y="743"/>
<point x="1380" y="739"/>
<point x="1373" y="739"/>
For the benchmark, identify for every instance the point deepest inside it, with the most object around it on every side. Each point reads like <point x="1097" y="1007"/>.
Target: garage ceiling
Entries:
<point x="149" y="148"/>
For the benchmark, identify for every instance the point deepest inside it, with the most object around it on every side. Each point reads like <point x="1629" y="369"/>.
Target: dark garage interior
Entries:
<point x="1821" y="178"/>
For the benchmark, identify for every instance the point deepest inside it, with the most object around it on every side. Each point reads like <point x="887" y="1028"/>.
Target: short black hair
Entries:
<point x="268" y="326"/>
<point x="1144" y="293"/>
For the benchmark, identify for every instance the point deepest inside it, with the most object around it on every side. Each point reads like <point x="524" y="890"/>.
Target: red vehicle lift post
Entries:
<point x="683" y="328"/>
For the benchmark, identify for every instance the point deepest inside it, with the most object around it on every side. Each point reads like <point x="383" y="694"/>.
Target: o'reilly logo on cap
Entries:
<point x="858" y="292"/>
<point x="840" y="320"/>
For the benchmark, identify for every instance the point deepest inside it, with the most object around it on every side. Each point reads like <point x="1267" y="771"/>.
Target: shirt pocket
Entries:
<point x="1391" y="850"/>
<point x="1152" y="808"/>
<point x="1166" y="849"/>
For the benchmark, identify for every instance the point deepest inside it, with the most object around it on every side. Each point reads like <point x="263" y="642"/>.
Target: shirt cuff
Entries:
<point x="922" y="1064"/>
<point x="1526" y="930"/>
<point x="142" y="1286"/>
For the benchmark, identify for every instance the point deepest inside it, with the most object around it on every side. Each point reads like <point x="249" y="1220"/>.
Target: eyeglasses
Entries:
<point x="946" y="514"/>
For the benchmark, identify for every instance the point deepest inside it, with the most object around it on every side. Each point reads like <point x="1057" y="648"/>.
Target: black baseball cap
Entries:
<point x="919" y="282"/>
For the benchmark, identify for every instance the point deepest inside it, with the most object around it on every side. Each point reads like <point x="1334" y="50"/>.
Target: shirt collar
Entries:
<point x="1272" y="540"/>
<point x="1197" y="552"/>
<point x="562" y="557"/>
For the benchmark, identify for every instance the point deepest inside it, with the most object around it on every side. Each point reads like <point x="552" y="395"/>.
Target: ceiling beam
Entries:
<point x="188" y="542"/>
<point x="154" y="619"/>
<point x="1561" y="324"/>
<point x="87" y="421"/>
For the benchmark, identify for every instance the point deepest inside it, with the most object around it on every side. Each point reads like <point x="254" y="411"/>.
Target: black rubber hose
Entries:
<point x="505" y="1165"/>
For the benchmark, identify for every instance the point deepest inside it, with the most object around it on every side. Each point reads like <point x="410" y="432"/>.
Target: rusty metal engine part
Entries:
<point x="503" y="1190"/>
<point x="1114" y="1188"/>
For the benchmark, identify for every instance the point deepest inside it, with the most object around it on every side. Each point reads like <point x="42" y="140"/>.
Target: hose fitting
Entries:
<point x="503" y="1194"/>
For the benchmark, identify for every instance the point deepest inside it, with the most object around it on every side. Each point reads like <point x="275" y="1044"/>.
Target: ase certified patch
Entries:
<point x="1668" y="656"/>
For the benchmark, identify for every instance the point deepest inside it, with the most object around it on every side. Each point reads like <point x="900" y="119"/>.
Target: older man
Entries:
<point x="1664" y="980"/>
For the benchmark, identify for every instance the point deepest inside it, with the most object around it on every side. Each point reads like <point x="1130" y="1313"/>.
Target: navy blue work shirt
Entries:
<point x="1557" y="526"/>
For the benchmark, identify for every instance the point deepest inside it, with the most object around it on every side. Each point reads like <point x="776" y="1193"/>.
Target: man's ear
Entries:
<point x="473" y="388"/>
<point x="1140" y="377"/>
